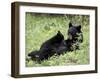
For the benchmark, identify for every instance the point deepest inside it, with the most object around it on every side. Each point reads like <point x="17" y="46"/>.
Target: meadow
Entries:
<point x="41" y="27"/>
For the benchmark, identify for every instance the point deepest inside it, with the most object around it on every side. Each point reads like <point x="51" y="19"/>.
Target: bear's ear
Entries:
<point x="58" y="33"/>
<point x="70" y="25"/>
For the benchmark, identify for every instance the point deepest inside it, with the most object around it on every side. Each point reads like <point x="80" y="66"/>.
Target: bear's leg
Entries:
<point x="34" y="55"/>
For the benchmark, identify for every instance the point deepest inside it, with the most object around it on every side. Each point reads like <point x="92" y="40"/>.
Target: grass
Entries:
<point x="41" y="27"/>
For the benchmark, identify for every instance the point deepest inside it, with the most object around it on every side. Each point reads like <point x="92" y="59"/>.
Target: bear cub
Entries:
<point x="48" y="48"/>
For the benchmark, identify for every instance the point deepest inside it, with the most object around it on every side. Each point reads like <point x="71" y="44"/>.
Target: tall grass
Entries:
<point x="41" y="27"/>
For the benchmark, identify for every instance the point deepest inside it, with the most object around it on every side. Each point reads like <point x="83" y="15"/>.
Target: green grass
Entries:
<point x="41" y="27"/>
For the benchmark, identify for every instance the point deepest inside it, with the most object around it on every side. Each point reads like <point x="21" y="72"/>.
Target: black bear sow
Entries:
<point x="75" y="37"/>
<point x="75" y="33"/>
<point x="48" y="48"/>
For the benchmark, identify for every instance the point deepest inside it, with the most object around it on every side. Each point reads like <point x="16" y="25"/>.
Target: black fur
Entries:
<point x="48" y="48"/>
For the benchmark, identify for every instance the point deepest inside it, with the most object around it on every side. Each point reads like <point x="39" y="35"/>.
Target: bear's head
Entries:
<point x="74" y="33"/>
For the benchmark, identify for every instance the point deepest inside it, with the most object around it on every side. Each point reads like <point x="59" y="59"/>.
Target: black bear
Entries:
<point x="57" y="44"/>
<point x="75" y="37"/>
<point x="75" y="33"/>
<point x="48" y="48"/>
